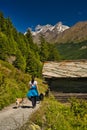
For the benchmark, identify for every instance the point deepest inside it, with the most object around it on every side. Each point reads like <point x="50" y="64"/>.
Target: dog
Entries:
<point x="41" y="97"/>
<point x="47" y="92"/>
<point x="19" y="102"/>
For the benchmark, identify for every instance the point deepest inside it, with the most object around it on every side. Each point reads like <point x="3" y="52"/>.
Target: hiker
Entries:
<point x="33" y="91"/>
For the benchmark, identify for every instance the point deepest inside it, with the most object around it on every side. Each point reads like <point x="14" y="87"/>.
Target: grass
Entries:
<point x="73" y="51"/>
<point x="53" y="115"/>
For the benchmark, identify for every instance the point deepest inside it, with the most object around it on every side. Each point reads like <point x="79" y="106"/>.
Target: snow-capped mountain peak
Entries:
<point x="59" y="27"/>
<point x="41" y="29"/>
<point x="48" y="31"/>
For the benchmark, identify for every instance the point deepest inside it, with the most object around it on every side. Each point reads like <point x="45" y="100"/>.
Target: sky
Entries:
<point x="30" y="13"/>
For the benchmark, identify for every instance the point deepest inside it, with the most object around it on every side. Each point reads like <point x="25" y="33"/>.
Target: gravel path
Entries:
<point x="12" y="118"/>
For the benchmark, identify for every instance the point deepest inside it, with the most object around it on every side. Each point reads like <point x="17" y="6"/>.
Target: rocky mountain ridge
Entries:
<point x="60" y="33"/>
<point x="48" y="31"/>
<point x="75" y="34"/>
<point x="59" y="27"/>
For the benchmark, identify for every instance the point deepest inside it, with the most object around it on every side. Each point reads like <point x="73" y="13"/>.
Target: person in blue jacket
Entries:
<point x="33" y="91"/>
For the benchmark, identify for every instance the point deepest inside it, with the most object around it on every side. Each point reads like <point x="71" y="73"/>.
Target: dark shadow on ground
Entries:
<point x="22" y="107"/>
<point x="26" y="106"/>
<point x="14" y="107"/>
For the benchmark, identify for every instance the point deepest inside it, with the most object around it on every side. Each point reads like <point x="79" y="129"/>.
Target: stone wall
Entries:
<point x="68" y="85"/>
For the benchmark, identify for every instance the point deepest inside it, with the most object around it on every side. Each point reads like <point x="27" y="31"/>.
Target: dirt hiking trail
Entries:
<point x="12" y="118"/>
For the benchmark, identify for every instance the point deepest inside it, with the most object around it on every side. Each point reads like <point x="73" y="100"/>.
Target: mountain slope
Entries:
<point x="49" y="32"/>
<point x="73" y="51"/>
<point x="72" y="43"/>
<point x="60" y="33"/>
<point x="73" y="40"/>
<point x="76" y="33"/>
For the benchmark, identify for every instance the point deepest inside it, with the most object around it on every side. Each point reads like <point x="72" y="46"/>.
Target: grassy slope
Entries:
<point x="13" y="84"/>
<point x="73" y="50"/>
<point x="53" y="115"/>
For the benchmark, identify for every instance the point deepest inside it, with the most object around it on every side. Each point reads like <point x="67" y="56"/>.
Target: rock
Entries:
<point x="34" y="127"/>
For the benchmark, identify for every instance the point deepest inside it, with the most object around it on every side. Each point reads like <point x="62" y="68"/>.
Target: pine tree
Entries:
<point x="53" y="53"/>
<point x="34" y="65"/>
<point x="44" y="52"/>
<point x="2" y="22"/>
<point x="20" y="62"/>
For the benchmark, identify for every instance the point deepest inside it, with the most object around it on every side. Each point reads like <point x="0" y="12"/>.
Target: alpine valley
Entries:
<point x="71" y="42"/>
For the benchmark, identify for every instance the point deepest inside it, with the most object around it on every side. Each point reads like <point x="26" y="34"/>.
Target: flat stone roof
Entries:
<point x="65" y="69"/>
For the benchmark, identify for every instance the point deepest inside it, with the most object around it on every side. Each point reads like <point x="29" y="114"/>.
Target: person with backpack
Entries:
<point x="33" y="91"/>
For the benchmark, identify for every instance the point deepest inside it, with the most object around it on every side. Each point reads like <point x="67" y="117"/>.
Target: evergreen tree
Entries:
<point x="34" y="65"/>
<point x="2" y="22"/>
<point x="20" y="62"/>
<point x="29" y="38"/>
<point x="53" y="53"/>
<point x="6" y="47"/>
<point x="22" y="45"/>
<point x="44" y="50"/>
<point x="3" y="46"/>
<point x="9" y="27"/>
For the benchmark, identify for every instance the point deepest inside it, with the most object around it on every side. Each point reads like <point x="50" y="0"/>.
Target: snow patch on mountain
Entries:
<point x="48" y="31"/>
<point x="59" y="27"/>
